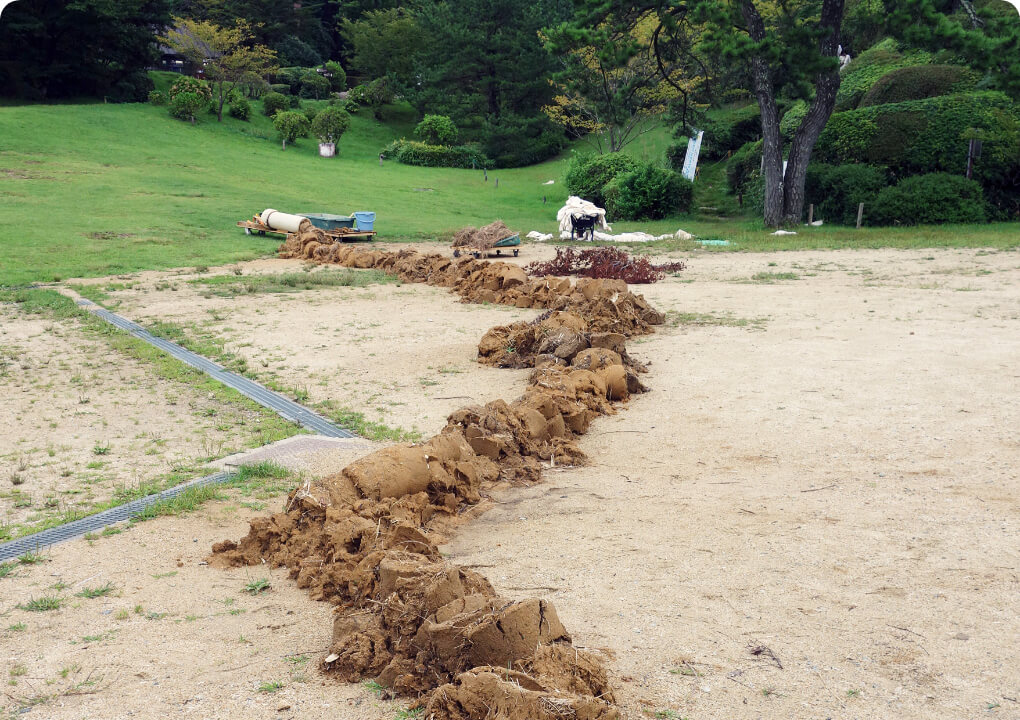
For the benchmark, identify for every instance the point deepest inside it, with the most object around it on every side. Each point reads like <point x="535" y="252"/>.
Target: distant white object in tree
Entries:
<point x="691" y="158"/>
<point x="844" y="59"/>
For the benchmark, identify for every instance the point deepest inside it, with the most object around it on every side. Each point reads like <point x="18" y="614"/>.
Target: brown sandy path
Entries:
<point x="840" y="487"/>
<point x="176" y="638"/>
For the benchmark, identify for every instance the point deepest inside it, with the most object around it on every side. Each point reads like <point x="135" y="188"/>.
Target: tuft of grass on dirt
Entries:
<point x="257" y="587"/>
<point x="186" y="502"/>
<point x="689" y="319"/>
<point x="232" y="285"/>
<point x="97" y="592"/>
<point x="43" y="604"/>
<point x="31" y="558"/>
<point x="769" y="278"/>
<point x="271" y="687"/>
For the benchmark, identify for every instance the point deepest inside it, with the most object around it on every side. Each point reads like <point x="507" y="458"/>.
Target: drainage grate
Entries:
<point x="284" y="407"/>
<point x="92" y="523"/>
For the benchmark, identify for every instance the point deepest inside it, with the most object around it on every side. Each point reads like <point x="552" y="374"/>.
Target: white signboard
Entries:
<point x="691" y="159"/>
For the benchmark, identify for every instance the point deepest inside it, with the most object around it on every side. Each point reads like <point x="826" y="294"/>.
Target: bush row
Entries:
<point x="627" y="189"/>
<point x="412" y="152"/>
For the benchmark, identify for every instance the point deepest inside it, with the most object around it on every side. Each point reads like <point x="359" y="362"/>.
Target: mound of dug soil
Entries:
<point x="366" y="539"/>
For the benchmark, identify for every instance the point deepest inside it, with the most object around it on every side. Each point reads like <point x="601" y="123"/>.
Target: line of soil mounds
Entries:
<point x="366" y="538"/>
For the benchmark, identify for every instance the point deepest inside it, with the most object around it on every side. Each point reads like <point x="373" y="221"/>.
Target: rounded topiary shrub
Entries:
<point x="274" y="102"/>
<point x="187" y="105"/>
<point x="436" y="130"/>
<point x="928" y="200"/>
<point x="188" y="84"/>
<point x="157" y="97"/>
<point x="291" y="125"/>
<point x="918" y="83"/>
<point x="337" y="76"/>
<point x="330" y="124"/>
<point x="588" y="174"/>
<point x="648" y="193"/>
<point x="314" y="85"/>
<point x="837" y="190"/>
<point x="239" y="108"/>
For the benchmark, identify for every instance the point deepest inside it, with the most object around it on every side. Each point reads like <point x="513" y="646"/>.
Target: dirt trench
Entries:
<point x="366" y="539"/>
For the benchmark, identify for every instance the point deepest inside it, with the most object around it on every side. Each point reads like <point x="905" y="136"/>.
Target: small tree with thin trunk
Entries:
<point x="227" y="54"/>
<point x="291" y="125"/>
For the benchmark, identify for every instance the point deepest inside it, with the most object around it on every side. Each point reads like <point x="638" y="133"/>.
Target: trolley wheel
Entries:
<point x="516" y="253"/>
<point x="247" y="231"/>
<point x="477" y="254"/>
<point x="456" y="253"/>
<point x="498" y="252"/>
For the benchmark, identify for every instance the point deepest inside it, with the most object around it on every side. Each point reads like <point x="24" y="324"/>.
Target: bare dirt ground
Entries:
<point x="83" y="422"/>
<point x="813" y="514"/>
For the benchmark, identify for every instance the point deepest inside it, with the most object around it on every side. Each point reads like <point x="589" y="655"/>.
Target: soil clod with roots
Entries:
<point x="366" y="538"/>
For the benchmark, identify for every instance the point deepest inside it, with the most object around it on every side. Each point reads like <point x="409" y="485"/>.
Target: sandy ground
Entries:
<point x="813" y="514"/>
<point x="401" y="354"/>
<point x="82" y="422"/>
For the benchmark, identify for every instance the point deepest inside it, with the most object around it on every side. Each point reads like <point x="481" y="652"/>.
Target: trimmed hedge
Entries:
<point x="868" y="67"/>
<point x="928" y="136"/>
<point x="648" y="193"/>
<point x="411" y="152"/>
<point x="587" y="175"/>
<point x="274" y="102"/>
<point x="727" y="130"/>
<point x="837" y="190"/>
<point x="929" y="200"/>
<point x="919" y="82"/>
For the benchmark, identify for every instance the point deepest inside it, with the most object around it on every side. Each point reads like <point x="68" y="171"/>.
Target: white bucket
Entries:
<point x="327" y="149"/>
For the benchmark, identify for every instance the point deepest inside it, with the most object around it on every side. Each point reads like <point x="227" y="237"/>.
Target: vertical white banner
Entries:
<point x="691" y="158"/>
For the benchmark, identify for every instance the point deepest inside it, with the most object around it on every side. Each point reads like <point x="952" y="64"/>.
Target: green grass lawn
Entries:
<point x="94" y="189"/>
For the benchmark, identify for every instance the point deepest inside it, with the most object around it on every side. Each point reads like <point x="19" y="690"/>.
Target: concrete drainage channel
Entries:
<point x="265" y="397"/>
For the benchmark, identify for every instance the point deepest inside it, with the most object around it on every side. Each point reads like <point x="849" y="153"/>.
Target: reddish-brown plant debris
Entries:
<point x="604" y="263"/>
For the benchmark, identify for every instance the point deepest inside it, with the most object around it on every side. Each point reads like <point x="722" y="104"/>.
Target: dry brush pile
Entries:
<point x="365" y="539"/>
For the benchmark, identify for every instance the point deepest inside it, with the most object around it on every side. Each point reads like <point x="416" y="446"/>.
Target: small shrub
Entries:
<point x="338" y="78"/>
<point x="240" y="108"/>
<point x="676" y="154"/>
<point x="929" y="200"/>
<point x="836" y="190"/>
<point x="330" y="124"/>
<point x="648" y="193"/>
<point x="295" y="102"/>
<point x="188" y="84"/>
<point x="741" y="165"/>
<point x="436" y="130"/>
<point x="727" y="130"/>
<point x="290" y="125"/>
<point x="187" y="105"/>
<point x="273" y="103"/>
<point x="157" y="97"/>
<point x="587" y="175"/>
<point x="918" y="83"/>
<point x="603" y="262"/>
<point x="314" y="85"/>
<point x="310" y="112"/>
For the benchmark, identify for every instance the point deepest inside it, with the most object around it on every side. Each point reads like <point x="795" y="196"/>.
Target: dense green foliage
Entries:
<point x="742" y="165"/>
<point x="186" y="84"/>
<point x="837" y="190"/>
<point x="870" y="66"/>
<point x="274" y="102"/>
<point x="927" y="136"/>
<point x="187" y="105"/>
<point x="330" y="124"/>
<point x="52" y="49"/>
<point x="384" y="42"/>
<point x="410" y="152"/>
<point x="648" y="193"/>
<point x="290" y="125"/>
<point x="676" y="154"/>
<point x="792" y="119"/>
<point x="436" y="130"/>
<point x="314" y="85"/>
<point x="240" y="107"/>
<point x="587" y="175"/>
<point x="727" y="130"/>
<point x="929" y="200"/>
<point x="919" y="82"/>
<point x="337" y="76"/>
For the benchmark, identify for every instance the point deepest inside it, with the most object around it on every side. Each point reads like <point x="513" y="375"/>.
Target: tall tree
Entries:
<point x="227" y="54"/>
<point x="789" y="48"/>
<point x="54" y="49"/>
<point x="383" y="42"/>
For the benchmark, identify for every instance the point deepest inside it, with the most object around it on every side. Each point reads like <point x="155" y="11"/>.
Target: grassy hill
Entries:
<point x="99" y="189"/>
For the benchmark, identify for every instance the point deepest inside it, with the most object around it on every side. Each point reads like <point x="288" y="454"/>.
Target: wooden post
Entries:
<point x="810" y="213"/>
<point x="860" y="215"/>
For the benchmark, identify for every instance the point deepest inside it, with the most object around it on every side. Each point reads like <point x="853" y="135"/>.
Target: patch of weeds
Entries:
<point x="65" y="671"/>
<point x="231" y="286"/>
<point x="45" y="603"/>
<point x="59" y="585"/>
<point x="257" y="587"/>
<point x="374" y="687"/>
<point x="358" y="424"/>
<point x="17" y="627"/>
<point x="297" y="659"/>
<point x="97" y="592"/>
<point x="768" y="278"/>
<point x="677" y="319"/>
<point x="666" y="714"/>
<point x="107" y="532"/>
<point x="769" y="692"/>
<point x="852" y="693"/>
<point x="121" y="615"/>
<point x="101" y="449"/>
<point x="409" y="714"/>
<point x="187" y="501"/>
<point x="31" y="558"/>
<point x="685" y="670"/>
<point x="160" y="576"/>
<point x="7" y="569"/>
<point x="19" y="670"/>
<point x="271" y="687"/>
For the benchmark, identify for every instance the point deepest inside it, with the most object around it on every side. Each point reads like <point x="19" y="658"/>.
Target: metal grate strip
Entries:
<point x="92" y="523"/>
<point x="265" y="397"/>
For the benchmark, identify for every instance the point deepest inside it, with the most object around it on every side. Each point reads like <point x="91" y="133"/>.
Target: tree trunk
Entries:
<point x="826" y="86"/>
<point x="772" y="144"/>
